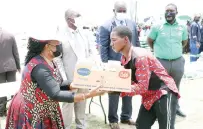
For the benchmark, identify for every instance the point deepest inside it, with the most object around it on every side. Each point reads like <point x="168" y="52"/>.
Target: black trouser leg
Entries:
<point x="11" y="76"/>
<point x="145" y="118"/>
<point x="126" y="111"/>
<point x="113" y="107"/>
<point x="164" y="110"/>
<point x="2" y="77"/>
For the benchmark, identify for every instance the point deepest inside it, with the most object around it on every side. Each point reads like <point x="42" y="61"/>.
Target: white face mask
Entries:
<point x="78" y="22"/>
<point x="121" y="16"/>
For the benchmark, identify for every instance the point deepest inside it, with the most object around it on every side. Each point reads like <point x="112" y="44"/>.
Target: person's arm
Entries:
<point x="65" y="85"/>
<point x="150" y="42"/>
<point x="137" y="43"/>
<point x="184" y="43"/>
<point x="161" y="72"/>
<point x="184" y="37"/>
<point x="143" y="74"/>
<point x="152" y="36"/>
<point x="104" y="41"/>
<point x="194" y="35"/>
<point x="43" y="76"/>
<point x="193" y="32"/>
<point x="15" y="53"/>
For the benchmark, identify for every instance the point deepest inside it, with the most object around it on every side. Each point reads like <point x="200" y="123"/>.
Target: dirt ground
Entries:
<point x="191" y="103"/>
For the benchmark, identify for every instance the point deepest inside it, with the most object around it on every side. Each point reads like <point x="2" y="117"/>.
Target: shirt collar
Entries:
<point x="176" y="22"/>
<point x="124" y="61"/>
<point x="119" y="21"/>
<point x="72" y="31"/>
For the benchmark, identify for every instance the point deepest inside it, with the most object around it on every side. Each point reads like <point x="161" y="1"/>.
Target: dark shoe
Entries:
<point x="114" y="126"/>
<point x="130" y="122"/>
<point x="3" y="110"/>
<point x="3" y="114"/>
<point x="180" y="113"/>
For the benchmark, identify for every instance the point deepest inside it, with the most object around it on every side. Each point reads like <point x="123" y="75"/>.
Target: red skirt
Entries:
<point x="17" y="117"/>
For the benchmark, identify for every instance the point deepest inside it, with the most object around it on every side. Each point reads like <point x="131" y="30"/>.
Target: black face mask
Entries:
<point x="58" y="51"/>
<point x="170" y="14"/>
<point x="197" y="20"/>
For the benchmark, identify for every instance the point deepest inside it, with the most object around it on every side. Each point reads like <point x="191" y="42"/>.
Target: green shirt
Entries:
<point x="168" y="39"/>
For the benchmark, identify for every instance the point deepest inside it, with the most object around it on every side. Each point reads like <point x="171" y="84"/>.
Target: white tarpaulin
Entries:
<point x="194" y="70"/>
<point x="9" y="89"/>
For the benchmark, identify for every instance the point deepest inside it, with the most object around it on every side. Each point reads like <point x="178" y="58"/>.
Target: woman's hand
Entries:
<point x="95" y="92"/>
<point x="71" y="87"/>
<point x="83" y="96"/>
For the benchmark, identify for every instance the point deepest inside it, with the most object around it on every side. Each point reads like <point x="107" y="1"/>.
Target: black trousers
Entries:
<point x="164" y="110"/>
<point x="6" y="77"/>
<point x="126" y="110"/>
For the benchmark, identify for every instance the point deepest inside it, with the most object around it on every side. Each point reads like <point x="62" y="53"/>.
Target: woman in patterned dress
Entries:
<point x="36" y="105"/>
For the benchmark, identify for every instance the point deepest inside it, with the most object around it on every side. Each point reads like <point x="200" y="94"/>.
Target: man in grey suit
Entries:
<point x="75" y="47"/>
<point x="107" y="53"/>
<point x="9" y="63"/>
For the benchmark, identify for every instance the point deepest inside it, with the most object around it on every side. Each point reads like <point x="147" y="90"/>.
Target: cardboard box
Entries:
<point x="89" y="76"/>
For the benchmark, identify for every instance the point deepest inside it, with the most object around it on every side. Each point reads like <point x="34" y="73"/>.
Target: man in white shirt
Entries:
<point x="75" y="47"/>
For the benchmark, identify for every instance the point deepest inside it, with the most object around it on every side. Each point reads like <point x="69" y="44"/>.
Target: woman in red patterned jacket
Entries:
<point x="36" y="105"/>
<point x="149" y="79"/>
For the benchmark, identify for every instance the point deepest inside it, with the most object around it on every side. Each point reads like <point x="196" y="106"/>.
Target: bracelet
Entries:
<point x="83" y="97"/>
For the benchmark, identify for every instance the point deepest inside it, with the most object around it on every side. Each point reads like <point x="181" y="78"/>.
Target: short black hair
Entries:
<point x="171" y="4"/>
<point x="123" y="31"/>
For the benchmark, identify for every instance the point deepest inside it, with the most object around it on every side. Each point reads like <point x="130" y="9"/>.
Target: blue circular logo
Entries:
<point x="83" y="71"/>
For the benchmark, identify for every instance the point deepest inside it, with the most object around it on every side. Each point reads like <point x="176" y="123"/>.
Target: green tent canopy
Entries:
<point x="185" y="17"/>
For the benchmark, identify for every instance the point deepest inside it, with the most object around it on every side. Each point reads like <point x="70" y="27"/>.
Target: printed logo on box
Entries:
<point x="83" y="71"/>
<point x="124" y="74"/>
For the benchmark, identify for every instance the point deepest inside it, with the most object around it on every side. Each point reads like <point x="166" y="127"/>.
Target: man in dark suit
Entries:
<point x="201" y="39"/>
<point x="107" y="53"/>
<point x="9" y="63"/>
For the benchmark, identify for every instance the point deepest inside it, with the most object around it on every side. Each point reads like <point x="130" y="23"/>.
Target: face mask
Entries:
<point x="197" y="20"/>
<point x="121" y="16"/>
<point x="58" y="51"/>
<point x="78" y="22"/>
<point x="170" y="14"/>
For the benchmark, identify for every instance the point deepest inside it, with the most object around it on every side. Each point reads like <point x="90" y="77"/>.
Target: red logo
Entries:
<point x="124" y="74"/>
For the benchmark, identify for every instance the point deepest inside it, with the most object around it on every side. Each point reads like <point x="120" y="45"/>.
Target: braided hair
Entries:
<point x="35" y="47"/>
